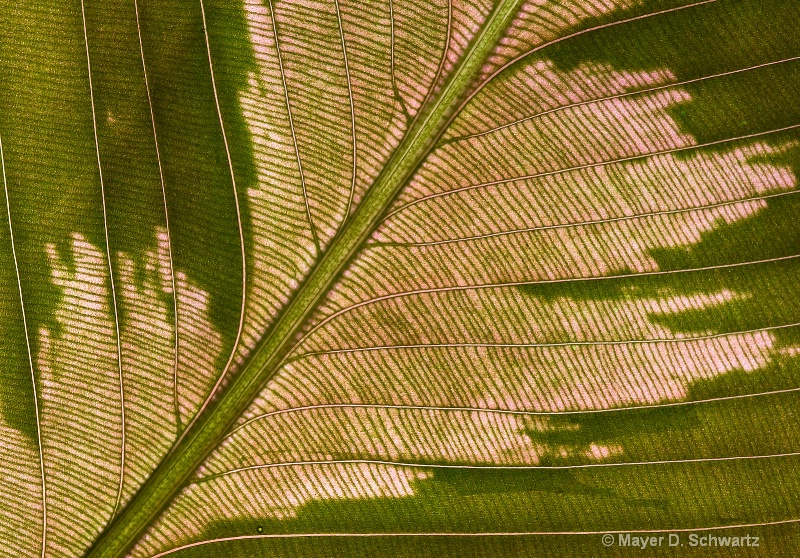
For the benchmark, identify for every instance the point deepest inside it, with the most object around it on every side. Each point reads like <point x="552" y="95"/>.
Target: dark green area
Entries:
<point x="707" y="430"/>
<point x="655" y="496"/>
<point x="16" y="388"/>
<point x="54" y="188"/>
<point x="780" y="540"/>
<point x="127" y="146"/>
<point x="200" y="196"/>
<point x="133" y="195"/>
<point x="632" y="497"/>
<point x="53" y="179"/>
<point x="232" y="54"/>
<point x="692" y="43"/>
<point x="765" y="295"/>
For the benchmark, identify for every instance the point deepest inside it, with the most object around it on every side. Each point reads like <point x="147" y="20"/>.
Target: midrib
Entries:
<point x="203" y="436"/>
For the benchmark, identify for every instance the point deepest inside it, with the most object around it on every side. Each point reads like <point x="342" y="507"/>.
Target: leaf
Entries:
<point x="401" y="278"/>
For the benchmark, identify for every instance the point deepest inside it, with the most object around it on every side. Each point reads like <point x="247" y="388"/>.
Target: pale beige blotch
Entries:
<point x="505" y="315"/>
<point x="148" y="360"/>
<point x="281" y="492"/>
<point x="283" y="242"/>
<point x="540" y="21"/>
<point x="415" y="378"/>
<point x="404" y="435"/>
<point x="549" y="378"/>
<point x="21" y="508"/>
<point x="80" y="400"/>
<point x="79" y="373"/>
<point x="585" y="223"/>
<point x="199" y="347"/>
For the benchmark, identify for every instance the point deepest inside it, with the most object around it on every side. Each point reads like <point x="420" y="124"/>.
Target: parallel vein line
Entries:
<point x="175" y="384"/>
<point x="687" y="339"/>
<point x="352" y="110"/>
<point x="279" y="56"/>
<point x="30" y="354"/>
<point x="390" y="244"/>
<point x="110" y="267"/>
<point x="580" y="412"/>
<point x="588" y="166"/>
<point x="241" y="233"/>
<point x="473" y="534"/>
<point x="599" y="100"/>
<point x="492" y="467"/>
<point x="536" y="282"/>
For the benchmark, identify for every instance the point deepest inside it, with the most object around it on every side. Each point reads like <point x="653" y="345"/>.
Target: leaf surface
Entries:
<point x="398" y="278"/>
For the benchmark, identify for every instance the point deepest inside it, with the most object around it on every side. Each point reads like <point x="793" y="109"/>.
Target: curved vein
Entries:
<point x="537" y="345"/>
<point x="310" y="219"/>
<point x="599" y="164"/>
<point x="473" y="534"/>
<point x="618" y="96"/>
<point x="579" y="223"/>
<point x="536" y="282"/>
<point x="110" y="268"/>
<point x="537" y="48"/>
<point x="352" y="108"/>
<point x="392" y="72"/>
<point x="490" y="467"/>
<point x="241" y="233"/>
<point x="30" y="354"/>
<point x="580" y="412"/>
<point x="443" y="59"/>
<point x="175" y="385"/>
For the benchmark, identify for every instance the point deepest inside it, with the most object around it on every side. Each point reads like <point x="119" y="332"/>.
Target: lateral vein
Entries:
<point x="175" y="385"/>
<point x="30" y="355"/>
<point x="110" y="267"/>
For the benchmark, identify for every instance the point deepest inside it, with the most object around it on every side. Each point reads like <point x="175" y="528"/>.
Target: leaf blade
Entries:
<point x="200" y="439"/>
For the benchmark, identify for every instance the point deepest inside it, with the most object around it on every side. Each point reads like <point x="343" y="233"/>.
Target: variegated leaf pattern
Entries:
<point x="584" y="295"/>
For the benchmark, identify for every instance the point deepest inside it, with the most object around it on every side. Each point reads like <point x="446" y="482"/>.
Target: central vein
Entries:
<point x="203" y="436"/>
